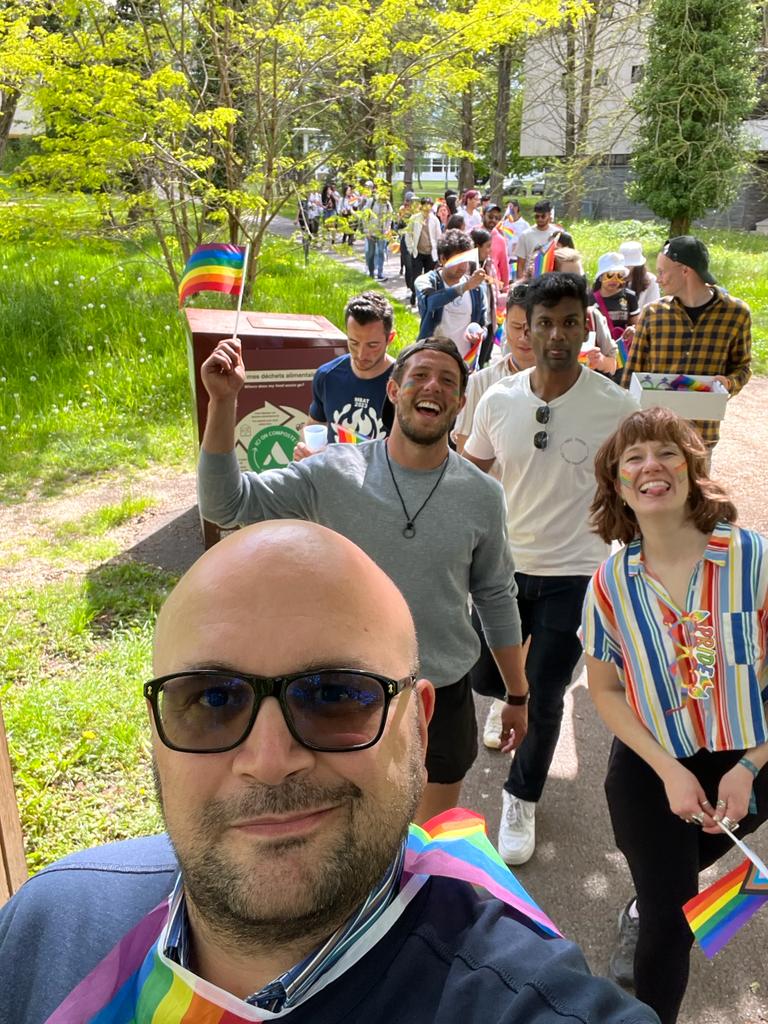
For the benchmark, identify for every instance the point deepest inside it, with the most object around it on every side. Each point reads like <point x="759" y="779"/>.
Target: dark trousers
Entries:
<point x="550" y="613"/>
<point x="421" y="263"/>
<point x="665" y="856"/>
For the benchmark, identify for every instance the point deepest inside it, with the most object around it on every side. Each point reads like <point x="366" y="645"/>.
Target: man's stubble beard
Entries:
<point x="236" y="903"/>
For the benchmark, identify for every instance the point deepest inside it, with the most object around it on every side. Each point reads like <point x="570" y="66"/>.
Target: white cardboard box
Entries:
<point x="691" y="405"/>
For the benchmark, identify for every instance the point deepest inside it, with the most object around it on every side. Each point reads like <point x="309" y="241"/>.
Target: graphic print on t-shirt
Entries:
<point x="359" y="416"/>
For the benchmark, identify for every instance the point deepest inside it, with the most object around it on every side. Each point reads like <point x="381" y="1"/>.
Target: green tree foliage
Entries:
<point x="184" y="117"/>
<point x="699" y="86"/>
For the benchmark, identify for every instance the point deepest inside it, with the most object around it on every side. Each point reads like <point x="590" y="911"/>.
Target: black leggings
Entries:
<point x="665" y="856"/>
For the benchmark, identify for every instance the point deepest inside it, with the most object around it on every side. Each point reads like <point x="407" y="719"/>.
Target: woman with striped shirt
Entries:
<point x="675" y="632"/>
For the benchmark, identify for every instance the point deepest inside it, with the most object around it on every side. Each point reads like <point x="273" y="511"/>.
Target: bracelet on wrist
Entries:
<point x="517" y="700"/>
<point x="750" y="766"/>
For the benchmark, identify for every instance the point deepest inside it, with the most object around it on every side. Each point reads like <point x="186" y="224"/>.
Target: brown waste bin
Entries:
<point x="281" y="352"/>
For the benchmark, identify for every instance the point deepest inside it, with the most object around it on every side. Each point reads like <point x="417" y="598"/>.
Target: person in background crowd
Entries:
<point x="641" y="281"/>
<point x="470" y="208"/>
<point x="537" y="239"/>
<point x="422" y="236"/>
<point x="451" y="201"/>
<point x="513" y="226"/>
<point x="491" y="221"/>
<point x="615" y="300"/>
<point x="456" y="222"/>
<point x="450" y="298"/>
<point x="483" y="243"/>
<point x="676" y="635"/>
<point x="404" y="214"/>
<point x="347" y="211"/>
<point x="697" y="328"/>
<point x="543" y="427"/>
<point x="377" y="224"/>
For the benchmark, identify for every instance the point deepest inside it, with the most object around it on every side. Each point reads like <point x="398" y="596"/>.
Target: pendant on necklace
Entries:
<point x="409" y="531"/>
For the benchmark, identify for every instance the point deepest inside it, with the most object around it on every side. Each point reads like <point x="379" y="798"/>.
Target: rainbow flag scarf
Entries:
<point x="213" y="268"/>
<point x="136" y="984"/>
<point x="717" y="913"/>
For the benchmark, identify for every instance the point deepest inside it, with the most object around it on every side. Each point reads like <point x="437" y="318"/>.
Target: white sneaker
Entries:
<point x="492" y="727"/>
<point x="517" y="831"/>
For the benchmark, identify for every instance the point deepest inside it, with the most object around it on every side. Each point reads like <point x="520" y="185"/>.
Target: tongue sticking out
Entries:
<point x="656" y="489"/>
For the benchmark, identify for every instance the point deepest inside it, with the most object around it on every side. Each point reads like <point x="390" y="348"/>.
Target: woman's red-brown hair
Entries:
<point x="708" y="502"/>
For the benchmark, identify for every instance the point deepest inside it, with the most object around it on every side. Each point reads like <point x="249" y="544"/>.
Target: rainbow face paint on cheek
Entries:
<point x="681" y="472"/>
<point x="624" y="479"/>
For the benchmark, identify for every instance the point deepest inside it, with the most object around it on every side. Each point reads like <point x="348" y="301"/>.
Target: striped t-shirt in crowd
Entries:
<point x="695" y="676"/>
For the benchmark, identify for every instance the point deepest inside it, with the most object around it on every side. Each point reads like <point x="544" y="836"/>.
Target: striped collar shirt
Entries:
<point x="695" y="676"/>
<point x="295" y="984"/>
<point x="719" y="342"/>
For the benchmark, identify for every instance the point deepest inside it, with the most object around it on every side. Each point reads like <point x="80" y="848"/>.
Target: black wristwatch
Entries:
<point x="516" y="701"/>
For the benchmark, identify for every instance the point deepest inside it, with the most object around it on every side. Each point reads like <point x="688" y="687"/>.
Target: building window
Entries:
<point x="601" y="77"/>
<point x="442" y="165"/>
<point x="636" y="74"/>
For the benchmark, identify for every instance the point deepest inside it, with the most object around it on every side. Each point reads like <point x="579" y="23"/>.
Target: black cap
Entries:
<point x="691" y="253"/>
<point x="493" y="206"/>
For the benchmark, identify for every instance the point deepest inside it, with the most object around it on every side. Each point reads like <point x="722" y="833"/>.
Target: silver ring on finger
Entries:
<point x="732" y="825"/>
<point x="698" y="818"/>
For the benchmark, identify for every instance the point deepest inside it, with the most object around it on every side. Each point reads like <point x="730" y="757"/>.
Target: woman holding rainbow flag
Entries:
<point x="676" y="636"/>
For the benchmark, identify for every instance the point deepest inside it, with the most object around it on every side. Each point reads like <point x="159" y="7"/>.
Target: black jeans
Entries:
<point x="665" y="856"/>
<point x="550" y="613"/>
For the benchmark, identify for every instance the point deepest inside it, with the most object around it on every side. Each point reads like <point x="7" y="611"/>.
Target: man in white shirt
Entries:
<point x="542" y="428"/>
<point x="513" y="227"/>
<point x="536" y="239"/>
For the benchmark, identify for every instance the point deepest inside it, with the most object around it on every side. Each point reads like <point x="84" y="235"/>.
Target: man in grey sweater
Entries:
<point x="434" y="523"/>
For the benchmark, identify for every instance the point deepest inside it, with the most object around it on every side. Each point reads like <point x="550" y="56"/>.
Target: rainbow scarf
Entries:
<point x="213" y="268"/>
<point x="717" y="913"/>
<point x="136" y="984"/>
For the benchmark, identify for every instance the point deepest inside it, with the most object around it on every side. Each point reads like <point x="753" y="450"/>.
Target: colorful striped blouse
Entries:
<point x="695" y="676"/>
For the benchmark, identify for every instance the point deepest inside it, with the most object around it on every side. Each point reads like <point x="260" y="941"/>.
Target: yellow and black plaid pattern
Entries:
<point x="720" y="342"/>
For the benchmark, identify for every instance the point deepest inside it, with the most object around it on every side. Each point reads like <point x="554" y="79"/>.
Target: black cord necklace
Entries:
<point x="409" y="530"/>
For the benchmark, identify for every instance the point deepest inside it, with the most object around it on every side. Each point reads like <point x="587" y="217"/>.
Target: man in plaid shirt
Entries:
<point x="697" y="328"/>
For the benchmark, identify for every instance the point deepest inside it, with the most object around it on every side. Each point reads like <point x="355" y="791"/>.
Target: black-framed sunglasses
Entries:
<point x="209" y="711"/>
<point x="541" y="437"/>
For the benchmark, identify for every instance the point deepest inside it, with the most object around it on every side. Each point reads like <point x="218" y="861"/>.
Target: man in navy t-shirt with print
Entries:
<point x="349" y="392"/>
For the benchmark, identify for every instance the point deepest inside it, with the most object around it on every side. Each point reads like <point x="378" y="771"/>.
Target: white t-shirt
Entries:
<point x="650" y="294"/>
<point x="533" y="239"/>
<point x="549" y="492"/>
<point x="519" y="226"/>
<point x="479" y="382"/>
<point x="456" y="318"/>
<point x="471" y="220"/>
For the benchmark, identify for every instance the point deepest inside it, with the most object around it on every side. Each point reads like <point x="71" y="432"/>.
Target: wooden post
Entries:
<point x="13" y="866"/>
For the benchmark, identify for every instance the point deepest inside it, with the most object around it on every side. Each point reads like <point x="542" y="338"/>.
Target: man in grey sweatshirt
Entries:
<point x="433" y="522"/>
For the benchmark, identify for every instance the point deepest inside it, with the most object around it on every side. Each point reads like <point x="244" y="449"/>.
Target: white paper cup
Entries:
<point x="315" y="436"/>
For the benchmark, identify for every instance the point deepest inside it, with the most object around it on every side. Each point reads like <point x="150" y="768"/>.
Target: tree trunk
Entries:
<point x="7" y="114"/>
<point x="679" y="225"/>
<point x="409" y="164"/>
<point x="466" y="164"/>
<point x="501" y="129"/>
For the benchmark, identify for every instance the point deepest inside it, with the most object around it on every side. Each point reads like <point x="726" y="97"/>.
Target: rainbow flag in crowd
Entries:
<point x="544" y="260"/>
<point x="717" y="913"/>
<point x="685" y="383"/>
<point x="213" y="268"/>
<point x="455" y="845"/>
<point x="346" y="436"/>
<point x="508" y="230"/>
<point x="622" y="353"/>
<point x="468" y="256"/>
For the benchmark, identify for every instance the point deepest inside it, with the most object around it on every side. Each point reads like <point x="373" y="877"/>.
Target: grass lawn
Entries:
<point x="93" y="379"/>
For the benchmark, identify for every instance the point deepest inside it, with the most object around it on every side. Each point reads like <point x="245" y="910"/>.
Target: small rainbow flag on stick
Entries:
<point x="346" y="436"/>
<point x="622" y="355"/>
<point x="717" y="913"/>
<point x="214" y="268"/>
<point x="454" y="844"/>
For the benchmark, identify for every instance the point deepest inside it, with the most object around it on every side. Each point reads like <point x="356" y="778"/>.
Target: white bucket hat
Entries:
<point x="611" y="261"/>
<point x="632" y="254"/>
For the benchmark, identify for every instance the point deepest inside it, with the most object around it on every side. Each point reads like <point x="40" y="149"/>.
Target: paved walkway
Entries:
<point x="395" y="284"/>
